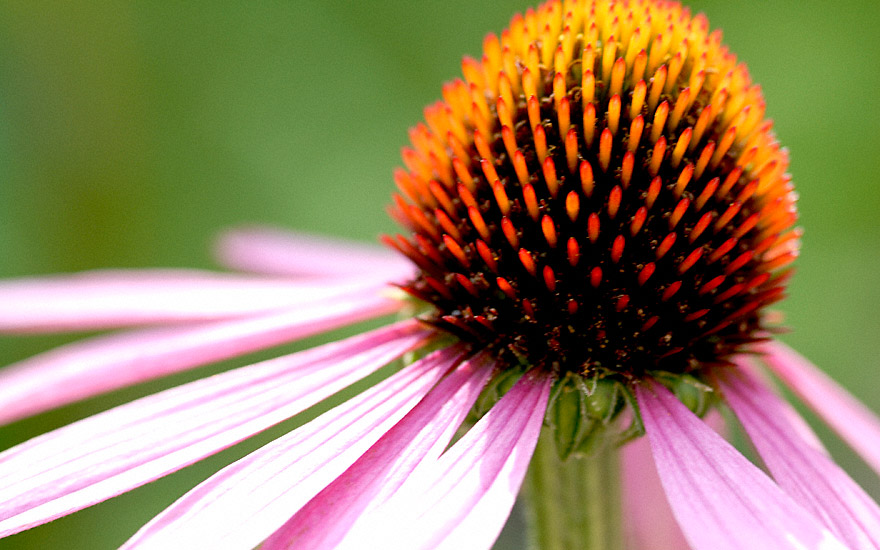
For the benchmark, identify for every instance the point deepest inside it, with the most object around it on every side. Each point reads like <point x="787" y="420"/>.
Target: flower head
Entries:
<point x="598" y="213"/>
<point x="600" y="195"/>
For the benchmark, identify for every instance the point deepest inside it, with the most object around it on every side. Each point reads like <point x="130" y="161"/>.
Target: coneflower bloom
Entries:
<point x="595" y="220"/>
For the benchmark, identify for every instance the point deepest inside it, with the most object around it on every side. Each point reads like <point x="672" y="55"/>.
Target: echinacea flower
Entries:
<point x="596" y="219"/>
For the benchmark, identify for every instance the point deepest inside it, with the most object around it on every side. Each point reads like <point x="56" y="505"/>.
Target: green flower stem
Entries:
<point x="573" y="504"/>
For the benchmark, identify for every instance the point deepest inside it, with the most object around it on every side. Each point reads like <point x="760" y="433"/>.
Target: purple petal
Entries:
<point x="113" y="452"/>
<point x="721" y="500"/>
<point x="462" y="500"/>
<point x="422" y="435"/>
<point x="810" y="476"/>
<point x="91" y="367"/>
<point x="242" y="504"/>
<point x="277" y="252"/>
<point x="852" y="421"/>
<point x="111" y="299"/>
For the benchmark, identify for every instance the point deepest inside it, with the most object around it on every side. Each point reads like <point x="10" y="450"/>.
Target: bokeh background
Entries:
<point x="132" y="132"/>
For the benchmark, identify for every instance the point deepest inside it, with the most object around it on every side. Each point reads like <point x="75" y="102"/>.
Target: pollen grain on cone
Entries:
<point x="600" y="194"/>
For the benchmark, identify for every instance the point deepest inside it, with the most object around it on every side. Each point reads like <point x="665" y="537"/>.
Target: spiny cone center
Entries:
<point x="600" y="194"/>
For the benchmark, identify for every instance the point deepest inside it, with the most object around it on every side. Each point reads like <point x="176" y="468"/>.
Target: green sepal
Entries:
<point x="695" y="394"/>
<point x="441" y="341"/>
<point x="593" y="441"/>
<point x="580" y="412"/>
<point x="494" y="390"/>
<point x="636" y="427"/>
<point x="567" y="418"/>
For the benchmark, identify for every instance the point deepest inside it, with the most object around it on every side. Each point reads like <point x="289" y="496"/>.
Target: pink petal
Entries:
<point x="648" y="521"/>
<point x="422" y="435"/>
<point x="110" y="299"/>
<point x="112" y="452"/>
<point x="243" y="503"/>
<point x="91" y="367"/>
<point x="721" y="500"/>
<point x="462" y="501"/>
<point x="810" y="476"/>
<point x="793" y="418"/>
<point x="647" y="517"/>
<point x="277" y="252"/>
<point x="852" y="421"/>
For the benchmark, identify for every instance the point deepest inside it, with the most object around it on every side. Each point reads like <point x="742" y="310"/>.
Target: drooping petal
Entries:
<point x="422" y="435"/>
<point x="852" y="421"/>
<point x="91" y="367"/>
<point x="98" y="300"/>
<point x="808" y="475"/>
<point x="462" y="501"/>
<point x="793" y="419"/>
<point x="721" y="500"/>
<point x="647" y="518"/>
<point x="112" y="452"/>
<point x="242" y="504"/>
<point x="277" y="252"/>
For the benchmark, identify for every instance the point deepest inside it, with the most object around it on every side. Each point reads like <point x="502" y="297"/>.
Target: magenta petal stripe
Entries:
<point x="811" y="477"/>
<point x="91" y="367"/>
<point x="422" y="435"/>
<point x="97" y="300"/>
<point x="277" y="252"/>
<point x="113" y="452"/>
<point x="721" y="500"/>
<point x="852" y="421"/>
<point x="245" y="502"/>
<point x="462" y="501"/>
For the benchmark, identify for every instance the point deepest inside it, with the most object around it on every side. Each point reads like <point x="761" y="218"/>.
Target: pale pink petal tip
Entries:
<point x="462" y="500"/>
<point x="277" y="252"/>
<point x="105" y="455"/>
<point x="720" y="499"/>
<point x="91" y="367"/>
<point x="244" y="503"/>
<point x="853" y="422"/>
<point x="804" y="472"/>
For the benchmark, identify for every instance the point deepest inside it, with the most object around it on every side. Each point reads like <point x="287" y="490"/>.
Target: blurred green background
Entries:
<point x="131" y="132"/>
